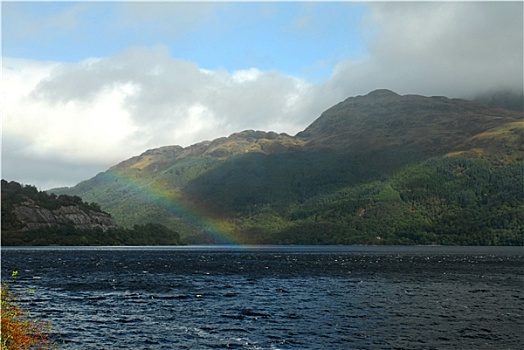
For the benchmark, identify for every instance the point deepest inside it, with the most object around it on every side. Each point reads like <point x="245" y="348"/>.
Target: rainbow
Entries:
<point x="193" y="212"/>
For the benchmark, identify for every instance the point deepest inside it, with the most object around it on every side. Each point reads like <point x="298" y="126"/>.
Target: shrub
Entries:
<point x="19" y="332"/>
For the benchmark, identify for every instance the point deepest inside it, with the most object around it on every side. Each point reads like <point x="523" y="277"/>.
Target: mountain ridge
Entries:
<point x="220" y="148"/>
<point x="258" y="184"/>
<point x="272" y="142"/>
<point x="413" y="121"/>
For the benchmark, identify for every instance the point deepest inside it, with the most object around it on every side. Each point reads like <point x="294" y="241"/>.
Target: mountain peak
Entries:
<point x="382" y="93"/>
<point x="383" y="119"/>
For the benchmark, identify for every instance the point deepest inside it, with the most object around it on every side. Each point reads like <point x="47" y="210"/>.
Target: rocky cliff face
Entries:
<point x="32" y="217"/>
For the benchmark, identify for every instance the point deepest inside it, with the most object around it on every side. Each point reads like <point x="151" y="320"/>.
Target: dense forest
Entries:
<point x="449" y="201"/>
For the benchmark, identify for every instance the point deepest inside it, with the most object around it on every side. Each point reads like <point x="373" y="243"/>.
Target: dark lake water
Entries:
<point x="274" y="297"/>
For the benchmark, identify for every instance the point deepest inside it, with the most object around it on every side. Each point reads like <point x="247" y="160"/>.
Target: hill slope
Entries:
<point x="32" y="217"/>
<point x="380" y="168"/>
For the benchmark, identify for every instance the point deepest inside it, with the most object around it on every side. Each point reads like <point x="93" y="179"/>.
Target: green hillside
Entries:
<point x="374" y="169"/>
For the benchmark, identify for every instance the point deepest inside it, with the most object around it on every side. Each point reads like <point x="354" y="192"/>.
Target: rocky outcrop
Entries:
<point x="383" y="120"/>
<point x="247" y="141"/>
<point x="32" y="217"/>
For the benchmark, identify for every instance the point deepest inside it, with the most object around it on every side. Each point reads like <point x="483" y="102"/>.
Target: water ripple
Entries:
<point x="264" y="299"/>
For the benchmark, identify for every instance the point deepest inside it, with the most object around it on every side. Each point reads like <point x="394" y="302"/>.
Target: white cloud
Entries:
<point x="442" y="48"/>
<point x="75" y="129"/>
<point x="246" y="75"/>
<point x="104" y="110"/>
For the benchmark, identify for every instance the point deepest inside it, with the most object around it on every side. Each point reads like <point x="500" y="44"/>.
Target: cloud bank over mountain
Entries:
<point x="91" y="114"/>
<point x="441" y="48"/>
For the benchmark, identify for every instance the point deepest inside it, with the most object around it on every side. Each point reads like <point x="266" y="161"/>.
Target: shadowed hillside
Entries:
<point x="382" y="119"/>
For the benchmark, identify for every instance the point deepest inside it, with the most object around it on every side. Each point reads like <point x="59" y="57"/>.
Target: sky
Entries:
<point x="86" y="85"/>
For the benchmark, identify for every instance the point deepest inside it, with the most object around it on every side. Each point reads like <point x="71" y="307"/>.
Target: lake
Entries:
<point x="274" y="297"/>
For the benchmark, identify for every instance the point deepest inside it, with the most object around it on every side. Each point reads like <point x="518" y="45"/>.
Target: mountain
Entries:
<point x="380" y="168"/>
<point x="507" y="99"/>
<point x="383" y="119"/>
